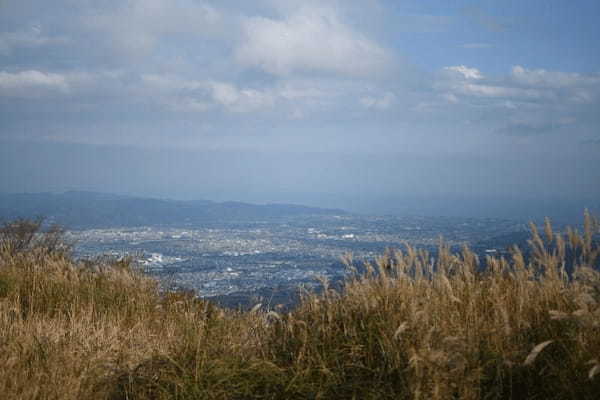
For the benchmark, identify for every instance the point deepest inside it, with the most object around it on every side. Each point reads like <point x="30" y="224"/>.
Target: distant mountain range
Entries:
<point x="80" y="210"/>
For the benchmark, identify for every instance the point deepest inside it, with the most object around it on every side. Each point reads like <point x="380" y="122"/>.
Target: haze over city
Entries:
<point x="466" y="108"/>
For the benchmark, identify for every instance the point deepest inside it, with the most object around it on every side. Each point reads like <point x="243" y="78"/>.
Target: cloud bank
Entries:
<point x="340" y="79"/>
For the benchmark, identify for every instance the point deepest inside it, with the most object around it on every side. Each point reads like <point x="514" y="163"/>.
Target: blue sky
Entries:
<point x="355" y="104"/>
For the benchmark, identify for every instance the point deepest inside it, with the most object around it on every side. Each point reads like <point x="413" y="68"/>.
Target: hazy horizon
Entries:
<point x="464" y="108"/>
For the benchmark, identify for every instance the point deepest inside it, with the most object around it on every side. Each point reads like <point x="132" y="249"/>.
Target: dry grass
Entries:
<point x="409" y="327"/>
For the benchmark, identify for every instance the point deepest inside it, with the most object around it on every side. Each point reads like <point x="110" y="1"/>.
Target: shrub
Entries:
<point x="23" y="235"/>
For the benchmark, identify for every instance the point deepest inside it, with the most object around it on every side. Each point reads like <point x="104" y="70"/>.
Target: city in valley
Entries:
<point x="273" y="257"/>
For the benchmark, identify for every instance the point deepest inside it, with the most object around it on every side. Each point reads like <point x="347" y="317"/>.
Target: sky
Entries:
<point x="482" y="108"/>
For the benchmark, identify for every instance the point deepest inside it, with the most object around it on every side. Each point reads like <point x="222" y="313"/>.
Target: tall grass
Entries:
<point x="408" y="327"/>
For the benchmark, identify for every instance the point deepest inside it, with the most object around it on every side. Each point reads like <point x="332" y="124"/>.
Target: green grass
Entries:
<point x="406" y="329"/>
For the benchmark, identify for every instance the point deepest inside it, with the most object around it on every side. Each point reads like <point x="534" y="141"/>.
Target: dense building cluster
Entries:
<point x="222" y="259"/>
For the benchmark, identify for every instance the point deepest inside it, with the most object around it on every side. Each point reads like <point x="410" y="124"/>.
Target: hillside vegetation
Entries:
<point x="405" y="327"/>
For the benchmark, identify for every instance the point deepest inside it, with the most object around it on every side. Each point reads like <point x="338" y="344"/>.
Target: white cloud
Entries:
<point x="30" y="38"/>
<point x="188" y="104"/>
<point x="582" y="96"/>
<point x="551" y="79"/>
<point x="501" y="91"/>
<point x="241" y="100"/>
<point x="450" y="98"/>
<point x="296" y="98"/>
<point x="523" y="102"/>
<point x="181" y="94"/>
<point x="466" y="72"/>
<point x="136" y="26"/>
<point x="31" y="83"/>
<point x="225" y="93"/>
<point x="569" y="87"/>
<point x="520" y="85"/>
<point x="170" y="82"/>
<point x="189" y="56"/>
<point x="294" y="90"/>
<point x="311" y="40"/>
<point x="383" y="102"/>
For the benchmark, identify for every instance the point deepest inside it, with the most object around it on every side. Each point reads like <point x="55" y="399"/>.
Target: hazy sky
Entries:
<point x="359" y="104"/>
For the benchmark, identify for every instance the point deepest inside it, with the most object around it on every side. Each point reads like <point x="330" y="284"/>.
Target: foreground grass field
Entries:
<point x="408" y="328"/>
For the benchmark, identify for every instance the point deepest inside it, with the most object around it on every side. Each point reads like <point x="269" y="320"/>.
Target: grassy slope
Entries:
<point x="409" y="328"/>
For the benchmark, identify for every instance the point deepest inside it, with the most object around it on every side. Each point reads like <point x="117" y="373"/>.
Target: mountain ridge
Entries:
<point x="85" y="209"/>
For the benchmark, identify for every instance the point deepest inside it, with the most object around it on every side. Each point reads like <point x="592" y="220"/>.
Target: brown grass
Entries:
<point x="409" y="327"/>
